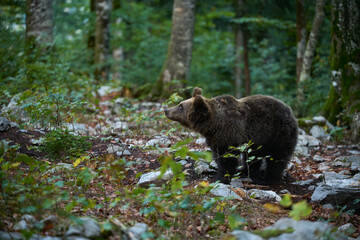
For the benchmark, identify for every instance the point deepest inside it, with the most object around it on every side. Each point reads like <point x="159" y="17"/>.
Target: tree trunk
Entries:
<point x="300" y="37"/>
<point x="102" y="39"/>
<point x="246" y="64"/>
<point x="310" y="48"/>
<point x="118" y="52"/>
<point x="39" y="33"/>
<point x="343" y="103"/>
<point x="178" y="58"/>
<point x="91" y="34"/>
<point x="239" y="49"/>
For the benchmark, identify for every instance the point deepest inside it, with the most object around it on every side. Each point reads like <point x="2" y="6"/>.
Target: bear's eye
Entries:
<point x="181" y="107"/>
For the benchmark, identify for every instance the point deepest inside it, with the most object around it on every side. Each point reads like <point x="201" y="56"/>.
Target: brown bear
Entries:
<point x="227" y="122"/>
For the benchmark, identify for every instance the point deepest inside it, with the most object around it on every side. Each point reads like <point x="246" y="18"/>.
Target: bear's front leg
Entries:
<point x="227" y="167"/>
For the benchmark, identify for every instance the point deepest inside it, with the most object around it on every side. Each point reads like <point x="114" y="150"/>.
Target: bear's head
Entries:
<point x="190" y="112"/>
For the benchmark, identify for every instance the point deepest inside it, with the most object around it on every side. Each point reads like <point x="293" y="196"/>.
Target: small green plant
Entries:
<point x="60" y="143"/>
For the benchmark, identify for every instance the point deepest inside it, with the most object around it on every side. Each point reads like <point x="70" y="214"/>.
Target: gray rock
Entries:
<point x="158" y="141"/>
<point x="200" y="141"/>
<point x="152" y="177"/>
<point x="319" y="132"/>
<point x="347" y="228"/>
<point x="61" y="167"/>
<point x="236" y="183"/>
<point x="323" y="166"/>
<point x="337" y="189"/>
<point x="119" y="126"/>
<point x="77" y="127"/>
<point x="214" y="165"/>
<point x="307" y="140"/>
<point x="123" y="153"/>
<point x="38" y="142"/>
<point x="264" y="195"/>
<point x="114" y="148"/>
<point x="328" y="205"/>
<point x="202" y="167"/>
<point x="19" y="236"/>
<point x="85" y="227"/>
<point x="304" y="230"/>
<point x="244" y="235"/>
<point x="222" y="190"/>
<point x="136" y="231"/>
<point x="4" y="124"/>
<point x="21" y="225"/>
<point x="296" y="160"/>
<point x="104" y="90"/>
<point x="318" y="158"/>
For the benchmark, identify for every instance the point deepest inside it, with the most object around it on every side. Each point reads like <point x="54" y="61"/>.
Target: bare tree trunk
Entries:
<point x="300" y="37"/>
<point x="178" y="58"/>
<point x="39" y="22"/>
<point x="39" y="33"/>
<point x="118" y="52"/>
<point x="102" y="39"/>
<point x="343" y="103"/>
<point x="310" y="48"/>
<point x="246" y="65"/>
<point x="239" y="49"/>
<point x="91" y="34"/>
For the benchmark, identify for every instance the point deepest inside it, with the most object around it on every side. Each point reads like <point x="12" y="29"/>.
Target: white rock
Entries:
<point x="318" y="158"/>
<point x="202" y="167"/>
<point x="244" y="235"/>
<point x="318" y="132"/>
<point x="236" y="183"/>
<point x="4" y="124"/>
<point x="158" y="141"/>
<point x="200" y="141"/>
<point x="114" y="148"/>
<point x="304" y="230"/>
<point x="264" y="195"/>
<point x="123" y="153"/>
<point x="76" y="127"/>
<point x="136" y="231"/>
<point x="223" y="190"/>
<point x="152" y="177"/>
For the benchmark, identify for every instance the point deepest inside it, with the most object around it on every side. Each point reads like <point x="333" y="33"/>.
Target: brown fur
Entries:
<point x="225" y="121"/>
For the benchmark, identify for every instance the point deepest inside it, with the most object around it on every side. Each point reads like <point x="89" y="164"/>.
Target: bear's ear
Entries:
<point x="197" y="91"/>
<point x="200" y="111"/>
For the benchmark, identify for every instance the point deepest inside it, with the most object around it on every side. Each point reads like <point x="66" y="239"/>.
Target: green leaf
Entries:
<point x="220" y="217"/>
<point x="300" y="210"/>
<point x="236" y="221"/>
<point x="286" y="201"/>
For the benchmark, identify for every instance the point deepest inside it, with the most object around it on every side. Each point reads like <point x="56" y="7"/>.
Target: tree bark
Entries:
<point x="239" y="49"/>
<point x="300" y="37"/>
<point x="102" y="39"/>
<point x="91" y="34"/>
<point x="178" y="58"/>
<point x="246" y="64"/>
<point x="118" y="51"/>
<point x="38" y="35"/>
<point x="39" y="22"/>
<point x="310" y="48"/>
<point x="343" y="103"/>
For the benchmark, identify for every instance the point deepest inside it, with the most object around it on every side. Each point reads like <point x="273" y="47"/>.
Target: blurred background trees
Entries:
<point x="238" y="47"/>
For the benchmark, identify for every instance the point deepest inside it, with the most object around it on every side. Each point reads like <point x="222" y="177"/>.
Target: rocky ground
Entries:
<point x="324" y="173"/>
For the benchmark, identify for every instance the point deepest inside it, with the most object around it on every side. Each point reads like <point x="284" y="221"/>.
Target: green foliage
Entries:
<point x="60" y="143"/>
<point x="299" y="210"/>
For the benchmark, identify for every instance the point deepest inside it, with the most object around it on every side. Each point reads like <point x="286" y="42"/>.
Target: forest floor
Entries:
<point x="104" y="190"/>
